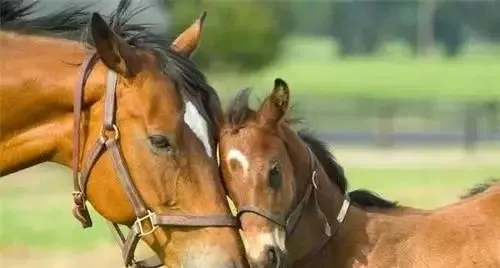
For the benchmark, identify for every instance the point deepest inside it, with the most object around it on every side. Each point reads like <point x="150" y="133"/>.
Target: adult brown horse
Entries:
<point x="291" y="198"/>
<point x="148" y="122"/>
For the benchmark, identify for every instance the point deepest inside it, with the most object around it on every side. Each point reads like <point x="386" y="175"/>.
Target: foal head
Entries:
<point x="266" y="169"/>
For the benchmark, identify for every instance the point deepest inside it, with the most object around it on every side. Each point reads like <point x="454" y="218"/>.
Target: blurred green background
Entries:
<point x="406" y="92"/>
<point x="374" y="72"/>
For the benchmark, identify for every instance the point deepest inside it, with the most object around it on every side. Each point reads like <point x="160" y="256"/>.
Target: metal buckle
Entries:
<point x="78" y="198"/>
<point x="114" y="129"/>
<point x="315" y="180"/>
<point x="141" y="220"/>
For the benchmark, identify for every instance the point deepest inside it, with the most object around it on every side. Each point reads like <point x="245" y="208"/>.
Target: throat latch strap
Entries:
<point x="80" y="211"/>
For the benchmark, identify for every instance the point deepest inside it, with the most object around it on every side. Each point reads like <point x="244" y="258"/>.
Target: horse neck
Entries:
<point x="366" y="233"/>
<point x="354" y="239"/>
<point x="310" y="227"/>
<point x="36" y="95"/>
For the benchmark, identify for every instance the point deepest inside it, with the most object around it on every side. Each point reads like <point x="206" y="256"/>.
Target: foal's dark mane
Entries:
<point x="239" y="112"/>
<point x="72" y="23"/>
<point x="362" y="198"/>
<point x="480" y="188"/>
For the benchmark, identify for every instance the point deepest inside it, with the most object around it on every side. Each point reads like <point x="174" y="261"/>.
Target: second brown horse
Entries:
<point x="291" y="199"/>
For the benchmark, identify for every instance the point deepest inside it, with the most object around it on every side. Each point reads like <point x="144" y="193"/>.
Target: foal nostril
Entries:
<point x="273" y="257"/>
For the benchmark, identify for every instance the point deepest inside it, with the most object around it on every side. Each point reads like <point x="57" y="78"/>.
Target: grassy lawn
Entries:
<point x="311" y="66"/>
<point x="35" y="211"/>
<point x="35" y="208"/>
<point x="421" y="187"/>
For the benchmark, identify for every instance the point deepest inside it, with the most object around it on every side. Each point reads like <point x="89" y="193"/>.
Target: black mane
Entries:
<point x="362" y="198"/>
<point x="239" y="111"/>
<point x="72" y="23"/>
<point x="13" y="10"/>
<point x="480" y="188"/>
<point x="367" y="199"/>
<point x="332" y="168"/>
<point x="68" y="23"/>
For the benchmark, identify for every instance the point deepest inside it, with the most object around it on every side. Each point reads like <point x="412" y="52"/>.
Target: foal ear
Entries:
<point x="187" y="42"/>
<point x="275" y="106"/>
<point x="112" y="49"/>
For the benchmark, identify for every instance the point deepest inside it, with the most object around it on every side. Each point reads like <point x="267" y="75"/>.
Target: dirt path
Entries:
<point x="99" y="257"/>
<point x="20" y="258"/>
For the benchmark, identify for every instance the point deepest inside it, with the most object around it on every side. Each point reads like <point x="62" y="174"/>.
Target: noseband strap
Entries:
<point x="290" y="222"/>
<point x="146" y="221"/>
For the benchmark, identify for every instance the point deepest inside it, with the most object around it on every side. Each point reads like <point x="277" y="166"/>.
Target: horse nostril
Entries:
<point x="273" y="257"/>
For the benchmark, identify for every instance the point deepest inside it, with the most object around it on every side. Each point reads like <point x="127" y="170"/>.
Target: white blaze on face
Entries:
<point x="235" y="154"/>
<point x="198" y="124"/>
<point x="257" y="245"/>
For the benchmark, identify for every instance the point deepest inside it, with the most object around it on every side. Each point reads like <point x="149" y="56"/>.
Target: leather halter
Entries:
<point x="109" y="139"/>
<point x="290" y="222"/>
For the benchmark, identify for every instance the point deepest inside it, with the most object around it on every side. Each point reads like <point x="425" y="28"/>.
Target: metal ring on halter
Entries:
<point x="315" y="182"/>
<point x="114" y="129"/>
<point x="149" y="217"/>
<point x="78" y="198"/>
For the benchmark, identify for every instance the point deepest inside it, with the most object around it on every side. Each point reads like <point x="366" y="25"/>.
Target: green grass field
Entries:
<point x="311" y="66"/>
<point x="35" y="208"/>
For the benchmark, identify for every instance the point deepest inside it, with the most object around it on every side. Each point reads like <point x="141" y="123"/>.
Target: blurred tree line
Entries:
<point x="243" y="35"/>
<point x="247" y="35"/>
<point x="361" y="27"/>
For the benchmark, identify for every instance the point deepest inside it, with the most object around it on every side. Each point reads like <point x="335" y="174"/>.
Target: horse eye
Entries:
<point x="275" y="176"/>
<point x="159" y="142"/>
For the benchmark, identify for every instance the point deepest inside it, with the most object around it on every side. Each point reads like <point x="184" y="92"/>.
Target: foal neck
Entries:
<point x="352" y="240"/>
<point x="36" y="95"/>
<point x="313" y="232"/>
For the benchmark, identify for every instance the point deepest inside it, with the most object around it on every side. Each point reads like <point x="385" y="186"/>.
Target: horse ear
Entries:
<point x="187" y="42"/>
<point x="275" y="106"/>
<point x="116" y="54"/>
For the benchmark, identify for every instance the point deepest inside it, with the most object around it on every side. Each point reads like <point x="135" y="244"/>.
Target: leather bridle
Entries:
<point x="109" y="139"/>
<point x="290" y="222"/>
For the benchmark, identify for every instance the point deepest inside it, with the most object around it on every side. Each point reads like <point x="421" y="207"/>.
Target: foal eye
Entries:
<point x="159" y="142"/>
<point x="275" y="175"/>
<point x="275" y="169"/>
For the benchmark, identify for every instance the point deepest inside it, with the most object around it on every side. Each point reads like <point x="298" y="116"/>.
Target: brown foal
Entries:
<point x="140" y="127"/>
<point x="291" y="199"/>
